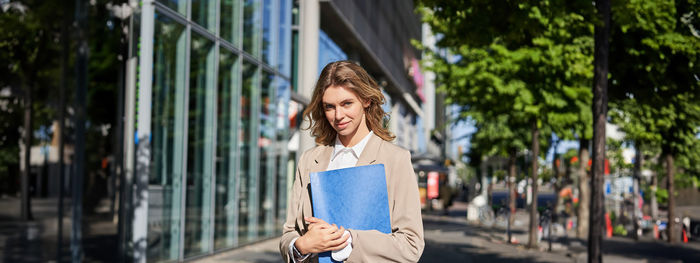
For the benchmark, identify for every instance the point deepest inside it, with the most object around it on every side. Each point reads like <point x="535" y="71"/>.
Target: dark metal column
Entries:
<point x="80" y="102"/>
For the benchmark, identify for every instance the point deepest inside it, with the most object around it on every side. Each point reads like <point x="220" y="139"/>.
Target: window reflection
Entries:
<point x="266" y="145"/>
<point x="230" y="21"/>
<point x="267" y="34"/>
<point x="167" y="126"/>
<point x="282" y="94"/>
<point x="220" y="126"/>
<point x="251" y="27"/>
<point x="204" y="14"/>
<point x="247" y="185"/>
<point x="284" y="38"/>
<point x="200" y="145"/>
<point x="178" y="5"/>
<point x="225" y="214"/>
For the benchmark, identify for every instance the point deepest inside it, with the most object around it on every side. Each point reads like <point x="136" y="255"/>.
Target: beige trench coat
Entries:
<point x="404" y="244"/>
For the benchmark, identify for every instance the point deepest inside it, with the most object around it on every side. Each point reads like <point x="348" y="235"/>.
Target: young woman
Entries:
<point x="346" y="116"/>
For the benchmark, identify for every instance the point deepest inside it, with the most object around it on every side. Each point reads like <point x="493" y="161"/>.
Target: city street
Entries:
<point x="449" y="238"/>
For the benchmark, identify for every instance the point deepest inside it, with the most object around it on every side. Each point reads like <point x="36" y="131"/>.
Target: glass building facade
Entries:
<point x="217" y="170"/>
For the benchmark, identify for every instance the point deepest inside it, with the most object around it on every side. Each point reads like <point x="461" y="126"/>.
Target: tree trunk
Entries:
<point x="26" y="210"/>
<point x="654" y="203"/>
<point x="511" y="190"/>
<point x="638" y="161"/>
<point x="532" y="236"/>
<point x="600" y="110"/>
<point x="584" y="190"/>
<point x="670" y="227"/>
<point x="489" y="191"/>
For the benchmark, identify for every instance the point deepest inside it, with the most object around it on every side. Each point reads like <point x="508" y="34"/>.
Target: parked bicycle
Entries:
<point x="545" y="226"/>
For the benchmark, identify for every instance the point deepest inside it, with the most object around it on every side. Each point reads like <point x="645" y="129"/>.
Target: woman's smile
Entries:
<point x="342" y="125"/>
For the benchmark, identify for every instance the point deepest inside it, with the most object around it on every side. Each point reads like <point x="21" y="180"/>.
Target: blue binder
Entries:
<point x="355" y="198"/>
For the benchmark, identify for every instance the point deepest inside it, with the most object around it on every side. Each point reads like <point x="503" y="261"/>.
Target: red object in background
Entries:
<point x="656" y="231"/>
<point x="574" y="159"/>
<point x="607" y="165"/>
<point x="590" y="162"/>
<point x="608" y="225"/>
<point x="433" y="185"/>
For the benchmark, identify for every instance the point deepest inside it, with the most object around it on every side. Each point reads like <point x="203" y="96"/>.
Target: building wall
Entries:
<point x="217" y="159"/>
<point x="378" y="34"/>
<point x="383" y="30"/>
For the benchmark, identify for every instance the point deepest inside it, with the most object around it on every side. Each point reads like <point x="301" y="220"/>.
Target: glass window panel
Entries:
<point x="295" y="46"/>
<point x="247" y="184"/>
<point x="328" y="51"/>
<point x="230" y="21"/>
<point x="251" y="27"/>
<point x="204" y="13"/>
<point x="200" y="145"/>
<point x="268" y="33"/>
<point x="179" y="6"/>
<point x="284" y="49"/>
<point x="225" y="215"/>
<point x="283" y="95"/>
<point x="167" y="125"/>
<point x="266" y="172"/>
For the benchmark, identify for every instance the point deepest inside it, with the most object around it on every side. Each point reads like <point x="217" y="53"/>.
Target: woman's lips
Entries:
<point x="342" y="125"/>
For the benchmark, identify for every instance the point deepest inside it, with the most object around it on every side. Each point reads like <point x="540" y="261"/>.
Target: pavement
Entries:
<point x="37" y="240"/>
<point x="450" y="238"/>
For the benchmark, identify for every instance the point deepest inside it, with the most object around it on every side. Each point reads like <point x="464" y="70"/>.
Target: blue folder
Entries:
<point x="355" y="198"/>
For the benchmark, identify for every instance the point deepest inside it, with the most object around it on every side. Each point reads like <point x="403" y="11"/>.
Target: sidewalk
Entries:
<point x="449" y="238"/>
<point x="261" y="252"/>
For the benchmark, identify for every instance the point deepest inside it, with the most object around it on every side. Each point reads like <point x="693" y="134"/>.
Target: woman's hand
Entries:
<point x="321" y="237"/>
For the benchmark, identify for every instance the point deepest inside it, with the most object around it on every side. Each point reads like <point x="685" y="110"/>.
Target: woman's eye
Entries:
<point x="347" y="103"/>
<point x="329" y="107"/>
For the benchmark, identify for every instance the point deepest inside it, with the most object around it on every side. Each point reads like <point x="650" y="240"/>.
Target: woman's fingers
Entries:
<point x="338" y="247"/>
<point x="313" y="220"/>
<point x="336" y="234"/>
<point x="316" y="223"/>
<point x="338" y="243"/>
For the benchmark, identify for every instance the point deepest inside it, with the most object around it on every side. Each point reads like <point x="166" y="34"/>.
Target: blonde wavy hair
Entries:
<point x="348" y="75"/>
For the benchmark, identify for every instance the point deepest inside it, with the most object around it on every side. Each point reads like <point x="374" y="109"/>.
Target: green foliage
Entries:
<point x="655" y="92"/>
<point x="30" y="58"/>
<point x="512" y="65"/>
<point x="619" y="230"/>
<point x="613" y="153"/>
<point x="662" y="196"/>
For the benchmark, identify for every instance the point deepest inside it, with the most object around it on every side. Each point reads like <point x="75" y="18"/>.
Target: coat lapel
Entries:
<point x="321" y="160"/>
<point x="318" y="163"/>
<point x="369" y="154"/>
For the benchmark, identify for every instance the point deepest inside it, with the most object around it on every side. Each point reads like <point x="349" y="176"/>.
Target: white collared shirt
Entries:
<point x="342" y="157"/>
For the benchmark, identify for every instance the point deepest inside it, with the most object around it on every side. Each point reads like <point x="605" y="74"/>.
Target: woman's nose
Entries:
<point x="339" y="114"/>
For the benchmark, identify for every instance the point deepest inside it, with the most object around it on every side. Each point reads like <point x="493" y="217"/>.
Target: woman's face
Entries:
<point x="344" y="111"/>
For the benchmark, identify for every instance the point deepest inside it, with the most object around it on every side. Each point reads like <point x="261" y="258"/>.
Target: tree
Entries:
<point x="500" y="136"/>
<point x="656" y="47"/>
<point x="600" y="110"/>
<point x="27" y="49"/>
<point x="526" y="61"/>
